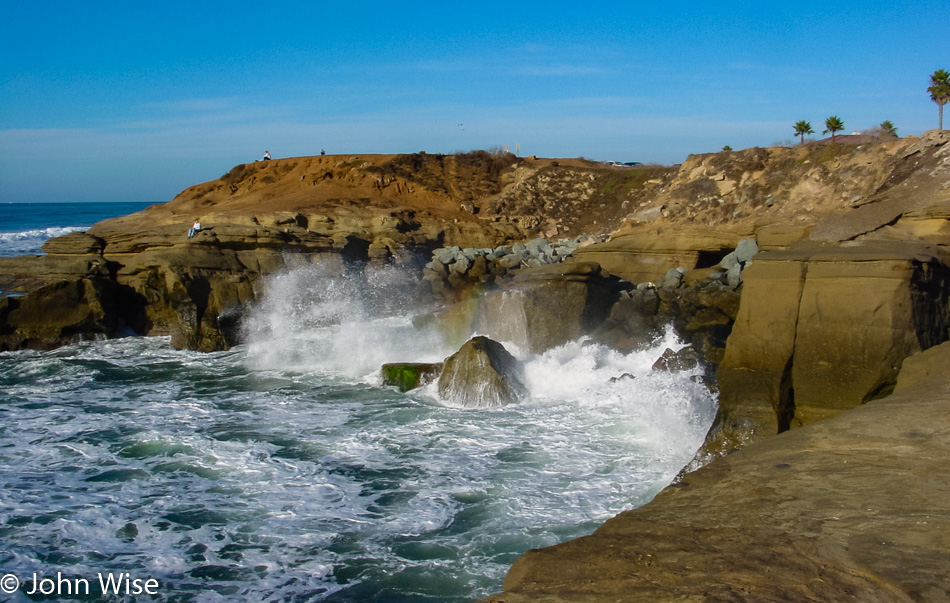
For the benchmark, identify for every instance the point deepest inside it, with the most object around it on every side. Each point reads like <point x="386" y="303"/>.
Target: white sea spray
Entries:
<point x="26" y="242"/>
<point x="281" y="469"/>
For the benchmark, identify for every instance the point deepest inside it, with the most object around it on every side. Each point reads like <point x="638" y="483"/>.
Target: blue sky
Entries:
<point x="133" y="101"/>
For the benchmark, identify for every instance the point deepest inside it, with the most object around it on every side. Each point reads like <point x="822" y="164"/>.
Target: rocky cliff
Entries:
<point x="805" y="277"/>
<point x="826" y="321"/>
<point x="826" y="350"/>
<point x="263" y="216"/>
<point x="851" y="278"/>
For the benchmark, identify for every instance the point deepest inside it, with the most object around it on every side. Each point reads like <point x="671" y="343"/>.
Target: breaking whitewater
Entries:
<point x="282" y="470"/>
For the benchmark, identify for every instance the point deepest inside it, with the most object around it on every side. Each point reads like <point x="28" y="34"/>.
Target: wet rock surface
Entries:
<point x="482" y="374"/>
<point x="68" y="311"/>
<point x="410" y="375"/>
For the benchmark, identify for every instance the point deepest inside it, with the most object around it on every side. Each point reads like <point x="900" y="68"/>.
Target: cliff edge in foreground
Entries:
<point x="853" y="508"/>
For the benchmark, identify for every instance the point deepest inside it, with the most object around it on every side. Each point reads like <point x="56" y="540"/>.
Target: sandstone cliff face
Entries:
<point x="822" y="329"/>
<point x="825" y="323"/>
<point x="262" y="217"/>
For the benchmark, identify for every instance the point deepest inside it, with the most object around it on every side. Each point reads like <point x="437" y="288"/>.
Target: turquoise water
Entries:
<point x="282" y="471"/>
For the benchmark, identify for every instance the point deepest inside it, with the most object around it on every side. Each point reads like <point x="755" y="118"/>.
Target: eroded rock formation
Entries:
<point x="482" y="374"/>
<point x="847" y="279"/>
<point x="262" y="217"/>
<point x="822" y="329"/>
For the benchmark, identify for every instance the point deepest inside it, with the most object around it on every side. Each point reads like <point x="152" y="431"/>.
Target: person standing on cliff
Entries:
<point x="266" y="155"/>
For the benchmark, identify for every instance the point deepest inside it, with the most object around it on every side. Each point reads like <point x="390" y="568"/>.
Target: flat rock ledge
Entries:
<point x="852" y="508"/>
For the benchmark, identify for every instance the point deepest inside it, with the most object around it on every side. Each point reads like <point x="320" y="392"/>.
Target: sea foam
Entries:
<point x="281" y="470"/>
<point x="30" y="242"/>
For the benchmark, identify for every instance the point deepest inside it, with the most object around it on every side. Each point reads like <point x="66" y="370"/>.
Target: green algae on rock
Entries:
<point x="407" y="376"/>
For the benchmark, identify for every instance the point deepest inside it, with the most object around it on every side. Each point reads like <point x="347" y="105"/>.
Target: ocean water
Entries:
<point x="24" y="227"/>
<point x="282" y="470"/>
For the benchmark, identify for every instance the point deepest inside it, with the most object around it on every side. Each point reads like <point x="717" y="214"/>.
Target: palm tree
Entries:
<point x="940" y="91"/>
<point x="888" y="128"/>
<point x="833" y="124"/>
<point x="802" y="127"/>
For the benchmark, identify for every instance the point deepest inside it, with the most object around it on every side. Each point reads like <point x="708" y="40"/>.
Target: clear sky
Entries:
<point x="134" y="101"/>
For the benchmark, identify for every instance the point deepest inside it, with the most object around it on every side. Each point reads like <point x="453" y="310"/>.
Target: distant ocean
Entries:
<point x="24" y="227"/>
<point x="282" y="471"/>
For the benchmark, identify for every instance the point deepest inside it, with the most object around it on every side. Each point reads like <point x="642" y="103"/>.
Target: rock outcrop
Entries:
<point x="482" y="374"/>
<point x="407" y="376"/>
<point x="548" y="306"/>
<point x="647" y="252"/>
<point x="68" y="311"/>
<point x="822" y="329"/>
<point x="850" y="508"/>
<point x="265" y="216"/>
<point x="825" y="323"/>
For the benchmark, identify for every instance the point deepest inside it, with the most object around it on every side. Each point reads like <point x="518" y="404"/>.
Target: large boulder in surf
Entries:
<point x="482" y="374"/>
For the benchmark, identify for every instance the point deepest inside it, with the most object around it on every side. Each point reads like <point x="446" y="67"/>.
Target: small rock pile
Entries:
<point x="457" y="268"/>
<point x="702" y="306"/>
<point x="728" y="272"/>
<point x="737" y="260"/>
